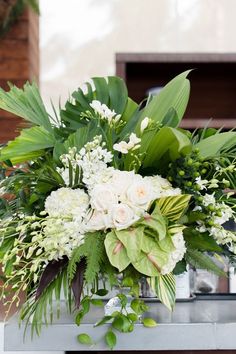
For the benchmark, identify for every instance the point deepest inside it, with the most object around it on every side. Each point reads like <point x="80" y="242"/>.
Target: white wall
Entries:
<point x="80" y="37"/>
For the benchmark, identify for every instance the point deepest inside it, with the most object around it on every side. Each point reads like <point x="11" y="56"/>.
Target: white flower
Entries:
<point x="122" y="180"/>
<point x="177" y="255"/>
<point x="103" y="197"/>
<point x="98" y="220"/>
<point x="67" y="202"/>
<point x="122" y="147"/>
<point x="144" y="124"/>
<point x="208" y="199"/>
<point x="105" y="112"/>
<point x="201" y="183"/>
<point x="141" y="194"/>
<point x="162" y="187"/>
<point x="123" y="216"/>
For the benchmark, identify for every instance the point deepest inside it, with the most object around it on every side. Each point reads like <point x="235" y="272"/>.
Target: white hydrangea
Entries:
<point x="67" y="202"/>
<point x="177" y="255"/>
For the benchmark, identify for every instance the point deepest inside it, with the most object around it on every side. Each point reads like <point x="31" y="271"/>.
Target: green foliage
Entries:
<point x="168" y="144"/>
<point x="201" y="241"/>
<point x="110" y="339"/>
<point x="84" y="338"/>
<point x="203" y="261"/>
<point x="93" y="250"/>
<point x="215" y="144"/>
<point x="29" y="145"/>
<point x="26" y="103"/>
<point x="116" y="251"/>
<point x="149" y="322"/>
<point x="132" y="241"/>
<point x="173" y="207"/>
<point x="165" y="289"/>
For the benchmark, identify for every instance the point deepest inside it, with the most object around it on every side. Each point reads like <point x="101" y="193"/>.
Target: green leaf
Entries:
<point x="28" y="145"/>
<point x="97" y="302"/>
<point x="200" y="241"/>
<point x="130" y="108"/>
<point x="213" y="145"/>
<point x="104" y="320"/>
<point x="79" y="317"/>
<point x="174" y="95"/>
<point x="203" y="261"/>
<point x="165" y="290"/>
<point x="26" y="103"/>
<point x="173" y="207"/>
<point x="156" y="222"/>
<point x="154" y="255"/>
<point x="121" y="323"/>
<point x="168" y="142"/>
<point x="149" y="322"/>
<point x="84" y="338"/>
<point x="132" y="317"/>
<point x="138" y="306"/>
<point x="180" y="267"/>
<point x="132" y="240"/>
<point x="116" y="251"/>
<point x="171" y="118"/>
<point x="110" y="339"/>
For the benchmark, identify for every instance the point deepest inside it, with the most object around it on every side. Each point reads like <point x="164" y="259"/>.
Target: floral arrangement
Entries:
<point x="108" y="192"/>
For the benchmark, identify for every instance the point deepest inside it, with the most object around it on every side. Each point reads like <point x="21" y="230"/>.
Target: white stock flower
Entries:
<point x="67" y="202"/>
<point x="103" y="197"/>
<point x="123" y="216"/>
<point x="144" y="124"/>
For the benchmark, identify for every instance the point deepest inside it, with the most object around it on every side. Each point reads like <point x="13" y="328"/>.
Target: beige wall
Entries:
<point x="79" y="37"/>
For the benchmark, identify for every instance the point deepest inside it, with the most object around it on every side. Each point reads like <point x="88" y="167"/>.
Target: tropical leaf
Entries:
<point x="165" y="289"/>
<point x="213" y="145"/>
<point x="154" y="255"/>
<point x="26" y="103"/>
<point x="116" y="251"/>
<point x="167" y="141"/>
<point x="78" y="281"/>
<point x="200" y="241"/>
<point x="30" y="144"/>
<point x="173" y="207"/>
<point x="155" y="222"/>
<point x="132" y="240"/>
<point x="111" y="91"/>
<point x="201" y="260"/>
<point x="174" y="95"/>
<point x="49" y="274"/>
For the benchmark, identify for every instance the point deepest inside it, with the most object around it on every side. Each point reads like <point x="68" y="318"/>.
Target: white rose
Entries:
<point x="97" y="220"/>
<point x="123" y="216"/>
<point x="103" y="197"/>
<point x="140" y="193"/>
<point x="122" y="180"/>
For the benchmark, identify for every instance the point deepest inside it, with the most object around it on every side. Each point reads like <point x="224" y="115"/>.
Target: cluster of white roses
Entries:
<point x="110" y="199"/>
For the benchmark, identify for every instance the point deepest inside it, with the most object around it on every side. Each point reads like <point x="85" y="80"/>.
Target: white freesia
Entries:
<point x="123" y="216"/>
<point x="103" y="197"/>
<point x="67" y="202"/>
<point x="144" y="124"/>
<point x="124" y="147"/>
<point x="104" y="111"/>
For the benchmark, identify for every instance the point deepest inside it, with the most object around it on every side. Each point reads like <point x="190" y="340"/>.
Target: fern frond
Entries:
<point x="203" y="261"/>
<point x="77" y="254"/>
<point x="94" y="255"/>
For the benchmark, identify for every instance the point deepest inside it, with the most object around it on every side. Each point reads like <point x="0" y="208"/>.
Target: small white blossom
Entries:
<point x="124" y="147"/>
<point x="105" y="112"/>
<point x="202" y="183"/>
<point x="144" y="124"/>
<point x="177" y="255"/>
